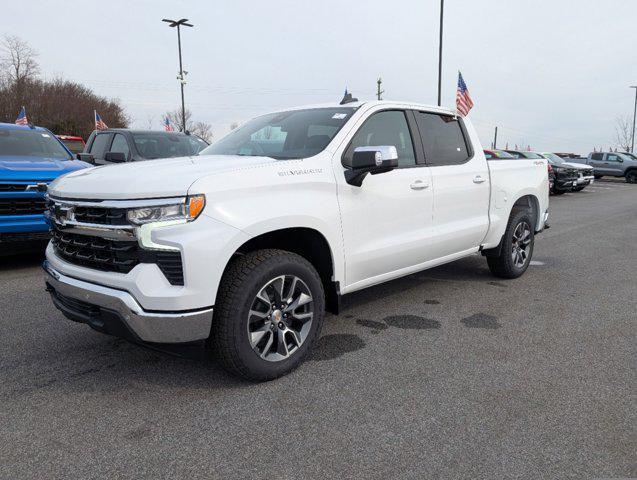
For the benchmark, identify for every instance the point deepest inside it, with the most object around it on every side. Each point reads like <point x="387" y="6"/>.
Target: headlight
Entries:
<point x="187" y="210"/>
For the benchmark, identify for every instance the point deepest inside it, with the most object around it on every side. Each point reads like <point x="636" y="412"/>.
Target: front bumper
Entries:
<point x="586" y="180"/>
<point x="116" y="312"/>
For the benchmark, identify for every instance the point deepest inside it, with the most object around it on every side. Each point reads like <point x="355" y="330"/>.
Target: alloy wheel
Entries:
<point x="521" y="244"/>
<point x="280" y="318"/>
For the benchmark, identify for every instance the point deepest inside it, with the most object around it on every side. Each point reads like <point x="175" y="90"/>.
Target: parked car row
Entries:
<point x="564" y="175"/>
<point x="32" y="157"/>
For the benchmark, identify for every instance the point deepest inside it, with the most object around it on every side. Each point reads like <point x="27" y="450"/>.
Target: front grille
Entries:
<point x="22" y="206"/>
<point x="17" y="238"/>
<point x="76" y="306"/>
<point x="95" y="252"/>
<point x="13" y="187"/>
<point x="114" y="255"/>
<point x="101" y="216"/>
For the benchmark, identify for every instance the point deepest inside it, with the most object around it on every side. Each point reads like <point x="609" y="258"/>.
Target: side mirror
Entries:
<point x="115" y="157"/>
<point x="86" y="157"/>
<point x="374" y="160"/>
<point x="620" y="160"/>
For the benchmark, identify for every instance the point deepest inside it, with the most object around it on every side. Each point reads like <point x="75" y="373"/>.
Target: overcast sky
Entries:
<point x="550" y="73"/>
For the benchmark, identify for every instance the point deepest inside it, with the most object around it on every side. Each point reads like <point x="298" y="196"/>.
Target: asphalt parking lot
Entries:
<point x="449" y="373"/>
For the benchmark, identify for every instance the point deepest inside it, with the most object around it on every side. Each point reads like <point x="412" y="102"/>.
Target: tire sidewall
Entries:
<point x="507" y="247"/>
<point x="262" y="274"/>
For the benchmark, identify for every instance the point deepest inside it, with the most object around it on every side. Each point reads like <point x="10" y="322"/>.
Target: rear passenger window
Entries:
<point x="99" y="145"/>
<point x="442" y="139"/>
<point x="597" y="156"/>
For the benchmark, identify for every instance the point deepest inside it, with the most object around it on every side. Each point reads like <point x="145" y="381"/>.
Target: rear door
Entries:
<point x="460" y="181"/>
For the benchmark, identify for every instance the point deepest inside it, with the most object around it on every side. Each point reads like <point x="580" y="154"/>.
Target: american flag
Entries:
<point x="99" y="123"/>
<point x="22" y="117"/>
<point x="463" y="100"/>
<point x="168" y="126"/>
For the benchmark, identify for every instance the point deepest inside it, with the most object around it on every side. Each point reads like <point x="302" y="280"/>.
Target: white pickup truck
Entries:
<point x="245" y="245"/>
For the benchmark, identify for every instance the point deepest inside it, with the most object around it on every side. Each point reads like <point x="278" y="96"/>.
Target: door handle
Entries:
<point x="479" y="179"/>
<point x="418" y="185"/>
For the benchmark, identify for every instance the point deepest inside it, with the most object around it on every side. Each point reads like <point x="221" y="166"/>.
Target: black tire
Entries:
<point x="578" y="189"/>
<point x="597" y="177"/>
<point x="503" y="265"/>
<point x="242" y="281"/>
<point x="559" y="192"/>
<point x="631" y="176"/>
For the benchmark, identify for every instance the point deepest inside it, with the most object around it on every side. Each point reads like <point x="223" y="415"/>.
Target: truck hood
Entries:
<point x="170" y="177"/>
<point x="36" y="168"/>
<point x="580" y="166"/>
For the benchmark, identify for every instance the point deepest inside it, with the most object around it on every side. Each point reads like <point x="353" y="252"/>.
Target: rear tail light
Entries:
<point x="550" y="168"/>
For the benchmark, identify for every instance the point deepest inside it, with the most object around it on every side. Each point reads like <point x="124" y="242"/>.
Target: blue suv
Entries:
<point x="30" y="158"/>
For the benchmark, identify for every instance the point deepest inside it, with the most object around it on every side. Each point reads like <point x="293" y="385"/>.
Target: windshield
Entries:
<point x="554" y="159"/>
<point x="167" y="145"/>
<point x="31" y="143"/>
<point x="284" y="135"/>
<point x="627" y="156"/>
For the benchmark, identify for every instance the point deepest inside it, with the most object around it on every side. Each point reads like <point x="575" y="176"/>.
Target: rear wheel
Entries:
<point x="631" y="176"/>
<point x="268" y="314"/>
<point x="516" y="248"/>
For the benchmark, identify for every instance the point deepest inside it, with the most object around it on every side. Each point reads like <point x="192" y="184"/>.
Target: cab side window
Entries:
<point x="597" y="156"/>
<point x="98" y="148"/>
<point x="120" y="145"/>
<point x="612" y="158"/>
<point x="387" y="128"/>
<point x="442" y="139"/>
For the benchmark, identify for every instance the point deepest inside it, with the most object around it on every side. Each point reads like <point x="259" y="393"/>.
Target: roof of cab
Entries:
<point x="371" y="103"/>
<point x="13" y="126"/>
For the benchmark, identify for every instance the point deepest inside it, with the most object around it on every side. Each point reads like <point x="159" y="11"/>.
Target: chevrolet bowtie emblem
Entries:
<point x="40" y="187"/>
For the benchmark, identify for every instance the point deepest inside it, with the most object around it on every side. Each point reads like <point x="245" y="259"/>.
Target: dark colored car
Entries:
<point x="117" y="145"/>
<point x="493" y="154"/>
<point x="565" y="178"/>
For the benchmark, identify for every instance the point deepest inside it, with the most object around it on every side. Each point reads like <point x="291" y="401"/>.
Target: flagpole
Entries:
<point x="442" y="6"/>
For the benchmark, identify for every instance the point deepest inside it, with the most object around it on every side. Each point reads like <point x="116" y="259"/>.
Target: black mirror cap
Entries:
<point x="85" y="157"/>
<point x="115" y="157"/>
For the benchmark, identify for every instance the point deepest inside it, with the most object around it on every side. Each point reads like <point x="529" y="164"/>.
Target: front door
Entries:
<point x="387" y="220"/>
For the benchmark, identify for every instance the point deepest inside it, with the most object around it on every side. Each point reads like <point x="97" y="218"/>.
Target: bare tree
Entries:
<point x="623" y="132"/>
<point x="18" y="62"/>
<point x="201" y="129"/>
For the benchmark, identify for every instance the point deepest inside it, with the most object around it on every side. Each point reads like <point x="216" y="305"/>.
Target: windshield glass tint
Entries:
<point x="31" y="143"/>
<point x="74" y="145"/>
<point x="555" y="159"/>
<point x="167" y="145"/>
<point x="293" y="134"/>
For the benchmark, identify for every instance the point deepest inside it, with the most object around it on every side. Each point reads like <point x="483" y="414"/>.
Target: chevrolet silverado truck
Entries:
<point x="246" y="245"/>
<point x="30" y="158"/>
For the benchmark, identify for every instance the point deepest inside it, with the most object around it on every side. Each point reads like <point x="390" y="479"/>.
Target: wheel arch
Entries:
<point x="310" y="244"/>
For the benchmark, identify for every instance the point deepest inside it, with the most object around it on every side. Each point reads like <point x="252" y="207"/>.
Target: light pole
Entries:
<point x="442" y="7"/>
<point x="181" y="77"/>
<point x="632" y="147"/>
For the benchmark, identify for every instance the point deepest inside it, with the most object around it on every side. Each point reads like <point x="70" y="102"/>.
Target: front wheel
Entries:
<point x="578" y="189"/>
<point x="269" y="312"/>
<point x="559" y="192"/>
<point x="597" y="177"/>
<point x="516" y="249"/>
<point x="631" y="176"/>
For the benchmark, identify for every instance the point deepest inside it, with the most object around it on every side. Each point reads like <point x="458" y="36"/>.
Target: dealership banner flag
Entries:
<point x="22" y="117"/>
<point x="99" y="123"/>
<point x="463" y="100"/>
